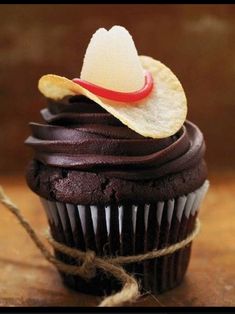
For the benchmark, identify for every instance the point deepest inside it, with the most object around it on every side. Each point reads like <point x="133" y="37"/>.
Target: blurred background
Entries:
<point x="196" y="41"/>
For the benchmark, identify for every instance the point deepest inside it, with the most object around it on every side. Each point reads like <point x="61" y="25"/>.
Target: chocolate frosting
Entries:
<point x="78" y="134"/>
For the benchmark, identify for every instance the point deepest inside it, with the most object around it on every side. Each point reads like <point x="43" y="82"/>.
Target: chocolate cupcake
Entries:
<point x="118" y="168"/>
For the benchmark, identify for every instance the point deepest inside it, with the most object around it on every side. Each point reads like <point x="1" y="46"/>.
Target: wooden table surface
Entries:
<point x="26" y="279"/>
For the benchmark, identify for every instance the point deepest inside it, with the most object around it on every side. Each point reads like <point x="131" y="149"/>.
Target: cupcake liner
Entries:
<point x="127" y="230"/>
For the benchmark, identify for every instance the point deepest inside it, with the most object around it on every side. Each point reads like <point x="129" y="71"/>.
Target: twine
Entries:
<point x="130" y="289"/>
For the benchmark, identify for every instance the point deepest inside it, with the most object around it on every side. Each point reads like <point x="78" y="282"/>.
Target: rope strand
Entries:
<point x="130" y="290"/>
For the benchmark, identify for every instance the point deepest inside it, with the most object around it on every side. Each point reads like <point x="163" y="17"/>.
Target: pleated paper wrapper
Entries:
<point x="127" y="230"/>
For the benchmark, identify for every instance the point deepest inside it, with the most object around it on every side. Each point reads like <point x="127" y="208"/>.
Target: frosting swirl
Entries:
<point x="79" y="134"/>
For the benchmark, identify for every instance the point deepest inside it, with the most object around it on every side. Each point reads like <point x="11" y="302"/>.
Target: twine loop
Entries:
<point x="87" y="270"/>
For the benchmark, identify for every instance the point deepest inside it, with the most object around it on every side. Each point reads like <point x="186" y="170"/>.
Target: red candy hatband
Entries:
<point x="119" y="96"/>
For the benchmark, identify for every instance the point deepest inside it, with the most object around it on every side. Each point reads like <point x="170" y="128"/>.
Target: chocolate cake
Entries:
<point x="119" y="178"/>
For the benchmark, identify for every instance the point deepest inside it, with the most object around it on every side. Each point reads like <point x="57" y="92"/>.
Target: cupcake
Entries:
<point x="117" y="166"/>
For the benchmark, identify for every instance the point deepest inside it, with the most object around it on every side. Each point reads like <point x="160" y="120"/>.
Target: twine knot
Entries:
<point x="88" y="267"/>
<point x="87" y="270"/>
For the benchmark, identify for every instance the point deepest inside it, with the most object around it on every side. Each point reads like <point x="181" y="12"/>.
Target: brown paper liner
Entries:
<point x="127" y="230"/>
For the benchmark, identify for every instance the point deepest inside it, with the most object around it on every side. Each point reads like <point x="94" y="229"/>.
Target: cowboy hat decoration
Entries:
<point x="140" y="91"/>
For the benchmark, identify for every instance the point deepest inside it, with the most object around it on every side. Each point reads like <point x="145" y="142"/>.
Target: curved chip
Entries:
<point x="159" y="115"/>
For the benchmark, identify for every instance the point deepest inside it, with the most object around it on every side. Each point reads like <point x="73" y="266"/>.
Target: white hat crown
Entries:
<point x="111" y="61"/>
